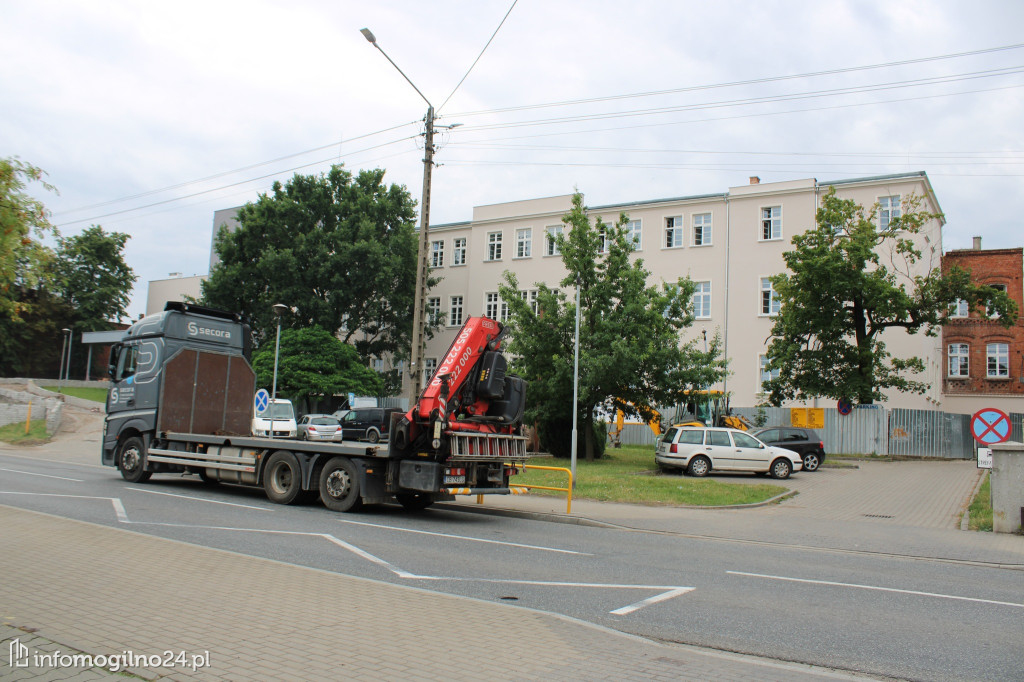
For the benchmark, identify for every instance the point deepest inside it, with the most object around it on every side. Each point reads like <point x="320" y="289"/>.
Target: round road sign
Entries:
<point x="990" y="426"/>
<point x="844" y="407"/>
<point x="261" y="401"/>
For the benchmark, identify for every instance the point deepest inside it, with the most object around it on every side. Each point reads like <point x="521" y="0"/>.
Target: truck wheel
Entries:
<point x="339" y="486"/>
<point x="131" y="460"/>
<point x="415" y="501"/>
<point x="373" y="435"/>
<point x="282" y="479"/>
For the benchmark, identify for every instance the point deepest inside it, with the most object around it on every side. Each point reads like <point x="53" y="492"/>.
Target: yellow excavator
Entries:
<point x="615" y="433"/>
<point x="708" y="408"/>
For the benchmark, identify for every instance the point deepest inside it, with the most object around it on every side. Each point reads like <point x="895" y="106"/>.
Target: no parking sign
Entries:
<point x="990" y="426"/>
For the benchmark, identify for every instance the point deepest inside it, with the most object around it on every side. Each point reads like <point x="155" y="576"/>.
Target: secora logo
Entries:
<point x="195" y="330"/>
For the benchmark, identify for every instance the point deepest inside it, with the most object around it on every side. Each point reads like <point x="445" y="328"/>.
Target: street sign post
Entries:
<point x="990" y="426"/>
<point x="844" y="407"/>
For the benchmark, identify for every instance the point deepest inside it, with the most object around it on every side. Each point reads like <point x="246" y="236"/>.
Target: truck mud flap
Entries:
<point x="422" y="476"/>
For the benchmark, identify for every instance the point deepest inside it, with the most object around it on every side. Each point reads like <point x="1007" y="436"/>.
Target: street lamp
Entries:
<point x="279" y="310"/>
<point x="66" y="334"/>
<point x="575" y="386"/>
<point x="419" y="301"/>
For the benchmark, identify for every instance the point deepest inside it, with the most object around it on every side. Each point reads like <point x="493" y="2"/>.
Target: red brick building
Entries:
<point x="983" y="361"/>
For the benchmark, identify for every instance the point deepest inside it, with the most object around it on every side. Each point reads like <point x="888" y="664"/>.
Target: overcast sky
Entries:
<point x="150" y="116"/>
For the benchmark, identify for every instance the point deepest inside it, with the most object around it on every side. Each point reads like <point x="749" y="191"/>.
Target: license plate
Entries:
<point x="454" y="480"/>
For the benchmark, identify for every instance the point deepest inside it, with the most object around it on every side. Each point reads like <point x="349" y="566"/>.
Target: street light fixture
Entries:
<point x="419" y="301"/>
<point x="279" y="310"/>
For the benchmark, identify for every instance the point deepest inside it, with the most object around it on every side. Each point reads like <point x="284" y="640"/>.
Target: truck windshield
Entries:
<point x="279" y="411"/>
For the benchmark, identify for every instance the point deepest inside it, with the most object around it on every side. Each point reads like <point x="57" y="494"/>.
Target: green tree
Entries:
<point x="340" y="251"/>
<point x="23" y="220"/>
<point x="93" y="278"/>
<point x="849" y="281"/>
<point x="314" y="363"/>
<point x="631" y="357"/>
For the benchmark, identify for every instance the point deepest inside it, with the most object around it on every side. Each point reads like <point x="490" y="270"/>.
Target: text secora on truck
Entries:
<point x="181" y="400"/>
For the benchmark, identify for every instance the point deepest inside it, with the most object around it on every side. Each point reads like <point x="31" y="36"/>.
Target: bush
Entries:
<point x="556" y="438"/>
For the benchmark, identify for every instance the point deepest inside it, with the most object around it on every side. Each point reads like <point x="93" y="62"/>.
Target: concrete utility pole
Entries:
<point x="422" y="266"/>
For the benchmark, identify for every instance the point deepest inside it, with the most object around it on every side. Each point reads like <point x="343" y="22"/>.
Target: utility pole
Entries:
<point x="419" y="311"/>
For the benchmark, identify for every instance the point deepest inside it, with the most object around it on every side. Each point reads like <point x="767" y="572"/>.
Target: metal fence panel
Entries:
<point x="928" y="433"/>
<point x="863" y="432"/>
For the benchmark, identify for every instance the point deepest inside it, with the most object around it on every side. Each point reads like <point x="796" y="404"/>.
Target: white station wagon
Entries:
<point x="700" y="450"/>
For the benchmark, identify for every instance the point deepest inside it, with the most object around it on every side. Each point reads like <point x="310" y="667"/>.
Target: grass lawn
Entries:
<point x="628" y="474"/>
<point x="981" y="507"/>
<point x="15" y="433"/>
<point x="98" y="395"/>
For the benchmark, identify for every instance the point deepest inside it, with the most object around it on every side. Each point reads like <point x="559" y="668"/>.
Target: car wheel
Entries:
<point x="131" y="460"/>
<point x="811" y="461"/>
<point x="373" y="436"/>
<point x="781" y="468"/>
<point x="699" y="466"/>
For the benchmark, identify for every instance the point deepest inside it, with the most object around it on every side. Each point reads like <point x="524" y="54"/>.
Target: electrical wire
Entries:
<point x="479" y="55"/>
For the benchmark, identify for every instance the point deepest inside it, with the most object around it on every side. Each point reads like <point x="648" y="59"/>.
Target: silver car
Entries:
<point x="319" y="427"/>
<point x="701" y="450"/>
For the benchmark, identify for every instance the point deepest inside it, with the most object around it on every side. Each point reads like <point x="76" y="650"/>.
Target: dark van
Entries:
<point x="367" y="423"/>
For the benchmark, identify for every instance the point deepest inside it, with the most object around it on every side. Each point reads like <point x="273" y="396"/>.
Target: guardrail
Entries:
<point x="567" y="489"/>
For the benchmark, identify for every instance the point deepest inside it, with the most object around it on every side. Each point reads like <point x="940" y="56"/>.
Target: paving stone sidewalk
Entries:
<point x="80" y="587"/>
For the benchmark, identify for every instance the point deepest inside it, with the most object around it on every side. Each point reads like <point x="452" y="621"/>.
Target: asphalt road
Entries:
<point x="885" y="616"/>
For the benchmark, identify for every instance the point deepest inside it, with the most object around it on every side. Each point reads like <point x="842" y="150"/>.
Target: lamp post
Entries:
<point x="419" y="301"/>
<point x="279" y="310"/>
<point x="65" y="335"/>
<point x="575" y="387"/>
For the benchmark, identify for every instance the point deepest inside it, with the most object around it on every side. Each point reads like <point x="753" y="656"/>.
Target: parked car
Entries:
<point x="319" y="427"/>
<point x="369" y="423"/>
<point x="805" y="442"/>
<point x="701" y="450"/>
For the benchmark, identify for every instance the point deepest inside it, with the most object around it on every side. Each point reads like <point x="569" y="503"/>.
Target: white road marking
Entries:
<point x="464" y="537"/>
<point x="879" y="589"/>
<point x="198" y="499"/>
<point x="670" y="591"/>
<point x="29" y="473"/>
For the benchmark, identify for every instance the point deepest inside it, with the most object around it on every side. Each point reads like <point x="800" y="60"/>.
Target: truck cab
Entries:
<point x="138" y="362"/>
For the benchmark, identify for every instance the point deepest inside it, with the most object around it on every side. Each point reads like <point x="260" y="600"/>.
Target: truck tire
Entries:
<point x="131" y="460"/>
<point x="282" y="478"/>
<point x="415" y="501"/>
<point x="339" y="485"/>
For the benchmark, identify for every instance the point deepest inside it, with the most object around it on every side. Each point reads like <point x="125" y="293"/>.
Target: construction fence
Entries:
<point x="868" y="430"/>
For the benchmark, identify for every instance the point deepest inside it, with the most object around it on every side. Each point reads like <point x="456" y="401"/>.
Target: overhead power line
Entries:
<point x="479" y="55"/>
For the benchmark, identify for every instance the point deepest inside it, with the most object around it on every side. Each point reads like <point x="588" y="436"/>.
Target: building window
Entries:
<point x="455" y="311"/>
<point x="991" y="311"/>
<point x="524" y="242"/>
<point x="674" y="232"/>
<point x="888" y="208"/>
<point x="702" y="300"/>
<point x="494" y="246"/>
<point x="998" y="361"/>
<point x="603" y="236"/>
<point x="959" y="363"/>
<point x="530" y="296"/>
<point x="702" y="229"/>
<point x="771" y="223"/>
<point x="554" y="232"/>
<point x="434" y="310"/>
<point x="960" y="309"/>
<point x="770" y="303"/>
<point x="436" y="254"/>
<point x="634" y="232"/>
<point x="378" y="365"/>
<point x="766" y="374"/>
<point x="459" y="251"/>
<point x="491" y="302"/>
<point x="429" y="367"/>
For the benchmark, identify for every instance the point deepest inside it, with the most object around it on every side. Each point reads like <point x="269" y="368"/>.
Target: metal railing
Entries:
<point x="567" y="489"/>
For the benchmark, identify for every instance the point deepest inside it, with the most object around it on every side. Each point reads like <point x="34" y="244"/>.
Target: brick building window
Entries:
<point x="959" y="360"/>
<point x="998" y="361"/>
<point x="960" y="309"/>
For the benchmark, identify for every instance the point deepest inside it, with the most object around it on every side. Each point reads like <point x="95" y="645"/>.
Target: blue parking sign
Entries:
<point x="261" y="401"/>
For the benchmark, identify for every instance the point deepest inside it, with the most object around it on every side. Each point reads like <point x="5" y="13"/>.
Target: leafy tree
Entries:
<point x="630" y="353"/>
<point x="341" y="251"/>
<point x="312" y="362"/>
<point x="850" y="280"/>
<point x="93" y="277"/>
<point x="23" y="219"/>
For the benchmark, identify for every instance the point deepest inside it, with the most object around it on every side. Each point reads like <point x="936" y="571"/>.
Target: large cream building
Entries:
<point x="729" y="244"/>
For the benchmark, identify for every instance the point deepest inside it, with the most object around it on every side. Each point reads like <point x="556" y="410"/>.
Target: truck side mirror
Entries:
<point x="112" y="361"/>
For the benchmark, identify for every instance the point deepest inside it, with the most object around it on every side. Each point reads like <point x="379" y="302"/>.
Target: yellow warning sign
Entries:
<point x="807" y="417"/>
